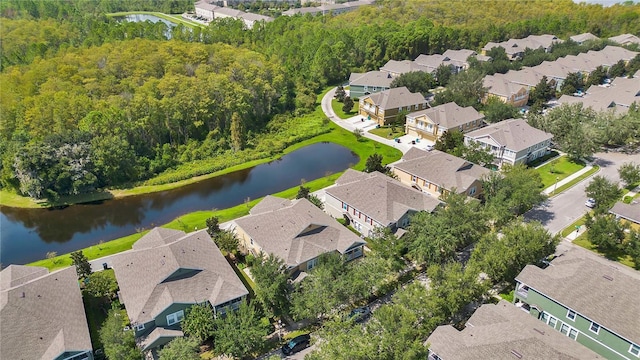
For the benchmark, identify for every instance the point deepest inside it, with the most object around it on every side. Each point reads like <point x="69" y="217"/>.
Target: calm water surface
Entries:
<point x="28" y="234"/>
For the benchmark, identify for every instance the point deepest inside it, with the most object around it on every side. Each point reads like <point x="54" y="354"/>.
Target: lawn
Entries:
<point x="337" y="108"/>
<point x="558" y="169"/>
<point x="564" y="187"/>
<point x="176" y="19"/>
<point x="388" y="132"/>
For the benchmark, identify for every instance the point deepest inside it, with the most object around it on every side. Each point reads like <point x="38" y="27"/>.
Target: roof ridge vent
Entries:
<point x="608" y="277"/>
<point x="541" y="332"/>
<point x="516" y="354"/>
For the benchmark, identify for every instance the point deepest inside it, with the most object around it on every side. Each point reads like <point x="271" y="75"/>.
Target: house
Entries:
<point x="512" y="141"/>
<point x="42" y="315"/>
<point x="616" y="97"/>
<point x="397" y="68"/>
<point x="205" y="10"/>
<point x="165" y="273"/>
<point x="436" y="173"/>
<point x="250" y="19"/>
<point x="629" y="212"/>
<point x="587" y="298"/>
<point x="502" y="88"/>
<point x="432" y="123"/>
<point x="503" y="332"/>
<point x="456" y="59"/>
<point x="515" y="47"/>
<point x="210" y="12"/>
<point x="296" y="231"/>
<point x="625" y="39"/>
<point x="584" y="37"/>
<point x="328" y="7"/>
<point x="361" y="84"/>
<point x="385" y="107"/>
<point x="369" y="201"/>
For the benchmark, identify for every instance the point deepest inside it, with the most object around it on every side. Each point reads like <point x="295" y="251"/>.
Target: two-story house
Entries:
<point x="502" y="331"/>
<point x="512" y="141"/>
<point x="431" y="123"/>
<point x="296" y="231"/>
<point x="165" y="273"/>
<point x="436" y="173"/>
<point x="589" y="299"/>
<point x="361" y="84"/>
<point x="508" y="92"/>
<point x="514" y="48"/>
<point x="385" y="106"/>
<point x="42" y="315"/>
<point x="368" y="201"/>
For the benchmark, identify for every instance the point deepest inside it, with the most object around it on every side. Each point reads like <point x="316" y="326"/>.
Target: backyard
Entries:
<point x="558" y="169"/>
<point x="337" y="108"/>
<point x="388" y="132"/>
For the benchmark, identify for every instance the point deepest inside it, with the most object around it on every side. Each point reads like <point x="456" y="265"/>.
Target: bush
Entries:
<point x="250" y="260"/>
<point x="627" y="199"/>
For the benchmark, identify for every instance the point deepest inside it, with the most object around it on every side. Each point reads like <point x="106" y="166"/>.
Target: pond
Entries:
<point x="28" y="234"/>
<point x="148" y="17"/>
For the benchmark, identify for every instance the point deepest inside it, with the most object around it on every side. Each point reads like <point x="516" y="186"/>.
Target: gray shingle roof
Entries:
<point x="380" y="197"/>
<point x="449" y="115"/>
<point x="497" y="331"/>
<point x="533" y="42"/>
<point x="269" y="203"/>
<point x="395" y="98"/>
<point x="442" y="169"/>
<point x="580" y="38"/>
<point x="618" y="97"/>
<point x="580" y="280"/>
<point x="630" y="212"/>
<point x="404" y="66"/>
<point x="297" y="232"/>
<point x="625" y="39"/>
<point x="157" y="237"/>
<point x="498" y="84"/>
<point x="515" y="134"/>
<point x="371" y="78"/>
<point x="41" y="316"/>
<point x="188" y="270"/>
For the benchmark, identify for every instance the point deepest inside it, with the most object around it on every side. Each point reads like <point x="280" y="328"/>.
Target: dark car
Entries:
<point x="296" y="344"/>
<point x="359" y="314"/>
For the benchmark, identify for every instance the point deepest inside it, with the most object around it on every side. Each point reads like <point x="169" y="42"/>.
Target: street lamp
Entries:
<point x="556" y="186"/>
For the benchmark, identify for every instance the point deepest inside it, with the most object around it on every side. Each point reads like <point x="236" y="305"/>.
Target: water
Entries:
<point x="152" y="18"/>
<point x="28" y="234"/>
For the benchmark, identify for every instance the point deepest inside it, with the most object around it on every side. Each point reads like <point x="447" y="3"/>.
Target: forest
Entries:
<point x="91" y="102"/>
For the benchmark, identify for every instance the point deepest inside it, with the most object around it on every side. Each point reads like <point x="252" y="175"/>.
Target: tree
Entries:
<point x="572" y="83"/>
<point x="465" y="89"/>
<point x="316" y="201"/>
<point x="605" y="232"/>
<point x="629" y="173"/>
<point x="102" y="284"/>
<point x="374" y="163"/>
<point x="51" y="255"/>
<point x="603" y="191"/>
<point x="272" y="287"/>
<point x="198" y="322"/>
<point x="213" y="226"/>
<point x="118" y="344"/>
<point x="237" y="132"/>
<point x="443" y="74"/>
<point x="477" y="154"/>
<point x="387" y="246"/>
<point x="632" y="248"/>
<point x="239" y="333"/>
<point x="181" y="348"/>
<point x="347" y="106"/>
<point x="227" y="241"/>
<point x="617" y="69"/>
<point x="596" y="77"/>
<point x="340" y="94"/>
<point x="415" y="81"/>
<point x="79" y="260"/>
<point x="496" y="110"/>
<point x="303" y="192"/>
<point x="454" y="286"/>
<point x="542" y="92"/>
<point x="358" y="133"/>
<point x="451" y="142"/>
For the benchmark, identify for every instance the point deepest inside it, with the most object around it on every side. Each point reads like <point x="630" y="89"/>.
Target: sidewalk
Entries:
<point x="551" y="189"/>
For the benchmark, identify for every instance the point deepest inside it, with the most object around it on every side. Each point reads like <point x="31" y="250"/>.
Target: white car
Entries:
<point x="591" y="203"/>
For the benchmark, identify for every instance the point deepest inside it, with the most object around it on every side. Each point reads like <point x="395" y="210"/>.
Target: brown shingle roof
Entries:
<point x="188" y="270"/>
<point x="501" y="331"/>
<point x="442" y="169"/>
<point x="297" y="232"/>
<point x="515" y="134"/>
<point x="382" y="198"/>
<point x="449" y="115"/>
<point x="580" y="280"/>
<point x="395" y="98"/>
<point x="41" y="317"/>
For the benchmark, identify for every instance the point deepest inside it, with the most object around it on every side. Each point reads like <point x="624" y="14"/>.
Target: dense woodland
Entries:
<point x="100" y="103"/>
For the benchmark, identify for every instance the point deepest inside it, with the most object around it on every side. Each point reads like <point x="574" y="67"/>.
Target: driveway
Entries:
<point x="562" y="210"/>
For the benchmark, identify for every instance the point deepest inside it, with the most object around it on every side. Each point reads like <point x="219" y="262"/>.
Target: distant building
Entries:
<point x="361" y="84"/>
<point x="209" y="12"/>
<point x="628" y="212"/>
<point x="616" y="97"/>
<point x="584" y="37"/>
<point x="328" y="7"/>
<point x="456" y="59"/>
<point x="431" y="123"/>
<point x="385" y="106"/>
<point x="515" y="47"/>
<point x="626" y="39"/>
<point x="396" y="68"/>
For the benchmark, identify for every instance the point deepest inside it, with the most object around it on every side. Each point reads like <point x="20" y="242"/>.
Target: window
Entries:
<point x="252" y="241"/>
<point x="553" y="322"/>
<point x="414" y="178"/>
<point x="345" y="207"/>
<point x="174" y="318"/>
<point x="594" y="327"/>
<point x="312" y="263"/>
<point x="544" y="317"/>
<point x="472" y="190"/>
<point x="571" y="315"/>
<point x="573" y="333"/>
<point x="140" y="327"/>
<point x="635" y="350"/>
<point x="569" y="331"/>
<point x="565" y="329"/>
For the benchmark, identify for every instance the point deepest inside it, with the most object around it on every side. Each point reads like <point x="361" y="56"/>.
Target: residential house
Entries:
<point x="584" y="37"/>
<point x="628" y="212"/>
<point x="512" y="141"/>
<point x="296" y="231"/>
<point x="503" y="332"/>
<point x="250" y="19"/>
<point x="361" y="84"/>
<point x="210" y="12"/>
<point x="328" y="7"/>
<point x="384" y="107"/>
<point x="587" y="298"/>
<point x="625" y="39"/>
<point x="397" y="68"/>
<point x="165" y="273"/>
<point x="436" y="173"/>
<point x="42" y="315"/>
<point x="456" y="59"/>
<point x="515" y="47"/>
<point x="616" y="97"/>
<point x="500" y="87"/>
<point x="370" y="201"/>
<point x="431" y="123"/>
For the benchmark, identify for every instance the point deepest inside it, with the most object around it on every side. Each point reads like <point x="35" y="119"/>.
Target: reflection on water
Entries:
<point x="28" y="234"/>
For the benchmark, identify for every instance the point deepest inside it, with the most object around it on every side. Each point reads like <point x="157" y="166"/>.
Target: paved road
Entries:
<point x="562" y="210"/>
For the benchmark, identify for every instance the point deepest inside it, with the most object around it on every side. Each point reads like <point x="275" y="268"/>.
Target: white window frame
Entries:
<point x="472" y="191"/>
<point x="179" y="315"/>
<point x="139" y="327"/>
<point x="312" y="263"/>
<point x="637" y="350"/>
<point x="573" y="331"/>
<point x="597" y="326"/>
<point x="554" y="320"/>
<point x="569" y="312"/>
<point x="345" y="206"/>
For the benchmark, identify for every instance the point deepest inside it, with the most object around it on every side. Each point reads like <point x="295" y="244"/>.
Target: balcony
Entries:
<point x="522" y="292"/>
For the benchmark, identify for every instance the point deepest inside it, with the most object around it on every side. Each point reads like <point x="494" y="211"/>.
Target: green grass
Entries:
<point x="176" y="19"/>
<point x="337" y="108"/>
<point x="558" y="169"/>
<point x="388" y="132"/>
<point x="12" y="199"/>
<point x="571" y="183"/>
<point x="507" y="296"/>
<point x="96" y="310"/>
<point x="621" y="257"/>
<point x="571" y="228"/>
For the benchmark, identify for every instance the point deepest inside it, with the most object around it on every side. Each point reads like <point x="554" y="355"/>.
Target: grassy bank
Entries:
<point x="388" y="132"/>
<point x="337" y="108"/>
<point x="558" y="169"/>
<point x="176" y="19"/>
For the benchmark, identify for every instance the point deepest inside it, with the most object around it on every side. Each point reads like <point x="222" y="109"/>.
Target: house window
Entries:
<point x="252" y="241"/>
<point x="553" y="322"/>
<point x="312" y="263"/>
<point x="635" y="350"/>
<point x="573" y="333"/>
<point x="544" y="317"/>
<point x="345" y="207"/>
<point x="571" y="315"/>
<point x="594" y="327"/>
<point x="472" y="190"/>
<point x="414" y="178"/>
<point x="140" y="327"/>
<point x="174" y="318"/>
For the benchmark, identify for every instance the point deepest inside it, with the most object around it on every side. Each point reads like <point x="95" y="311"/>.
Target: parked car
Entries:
<point x="591" y="203"/>
<point x="359" y="314"/>
<point x="296" y="344"/>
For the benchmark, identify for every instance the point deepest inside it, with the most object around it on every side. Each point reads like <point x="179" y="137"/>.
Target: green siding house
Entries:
<point x="362" y="84"/>
<point x="587" y="298"/>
